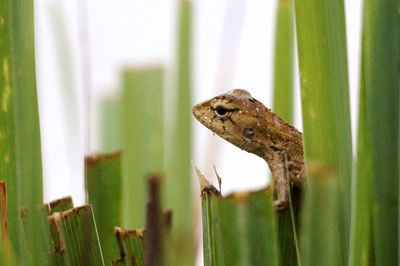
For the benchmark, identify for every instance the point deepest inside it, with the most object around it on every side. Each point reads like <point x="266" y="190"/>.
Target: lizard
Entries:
<point x="246" y="123"/>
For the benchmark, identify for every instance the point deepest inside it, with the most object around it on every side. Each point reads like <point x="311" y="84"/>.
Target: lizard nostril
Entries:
<point x="248" y="133"/>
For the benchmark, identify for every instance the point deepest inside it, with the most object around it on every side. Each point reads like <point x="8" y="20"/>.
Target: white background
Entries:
<point x="94" y="40"/>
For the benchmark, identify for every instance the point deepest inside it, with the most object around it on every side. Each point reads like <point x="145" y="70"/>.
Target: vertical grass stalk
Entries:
<point x="110" y="124"/>
<point x="77" y="233"/>
<point x="377" y="179"/>
<point x="20" y="148"/>
<point x="179" y="147"/>
<point x="321" y="40"/>
<point x="142" y="139"/>
<point x="7" y="128"/>
<point x="283" y="106"/>
<point x="283" y="67"/>
<point x="131" y="247"/>
<point x="103" y="188"/>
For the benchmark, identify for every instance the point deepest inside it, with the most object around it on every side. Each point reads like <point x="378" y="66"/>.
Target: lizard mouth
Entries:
<point x="196" y="112"/>
<point x="206" y="117"/>
<point x="201" y="114"/>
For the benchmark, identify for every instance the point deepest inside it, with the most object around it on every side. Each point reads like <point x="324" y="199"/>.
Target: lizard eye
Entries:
<point x="248" y="133"/>
<point x="221" y="111"/>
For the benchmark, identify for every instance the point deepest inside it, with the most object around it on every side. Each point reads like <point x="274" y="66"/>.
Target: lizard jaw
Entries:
<point x="202" y="113"/>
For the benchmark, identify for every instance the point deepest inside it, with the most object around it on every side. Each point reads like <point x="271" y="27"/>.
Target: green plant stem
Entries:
<point x="142" y="139"/>
<point x="178" y="149"/>
<point x="103" y="187"/>
<point x="377" y="177"/>
<point x="283" y="106"/>
<point x="321" y="39"/>
<point x="21" y="151"/>
<point x="7" y="128"/>
<point x="283" y="69"/>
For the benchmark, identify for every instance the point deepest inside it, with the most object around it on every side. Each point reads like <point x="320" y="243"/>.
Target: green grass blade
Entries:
<point x="239" y="229"/>
<point x="131" y="245"/>
<point x="146" y="247"/>
<point x="7" y="127"/>
<point x="378" y="160"/>
<point x="179" y="147"/>
<point x="110" y="124"/>
<point x="21" y="67"/>
<point x="212" y="246"/>
<point x="211" y="243"/>
<point x="7" y="257"/>
<point x="322" y="55"/>
<point x="320" y="239"/>
<point x="261" y="229"/>
<point x="59" y="205"/>
<point x="142" y="139"/>
<point x="54" y="254"/>
<point x="103" y="187"/>
<point x="229" y="233"/>
<point x="361" y="252"/>
<point x="283" y="106"/>
<point x="361" y="249"/>
<point x="77" y="232"/>
<point x="283" y="69"/>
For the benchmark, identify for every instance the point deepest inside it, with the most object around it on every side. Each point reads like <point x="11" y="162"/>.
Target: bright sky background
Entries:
<point x="233" y="48"/>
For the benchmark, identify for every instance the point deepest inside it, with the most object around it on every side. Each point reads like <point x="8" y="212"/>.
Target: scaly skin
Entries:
<point x="246" y="123"/>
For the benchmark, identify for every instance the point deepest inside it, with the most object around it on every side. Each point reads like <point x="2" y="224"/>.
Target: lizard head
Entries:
<point x="236" y="117"/>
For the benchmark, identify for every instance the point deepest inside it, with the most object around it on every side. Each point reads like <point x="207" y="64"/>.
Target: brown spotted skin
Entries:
<point x="246" y="123"/>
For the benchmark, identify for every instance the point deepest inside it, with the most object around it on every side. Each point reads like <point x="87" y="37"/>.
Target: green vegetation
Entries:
<point x="77" y="240"/>
<point x="239" y="229"/>
<point x="178" y="148"/>
<point x="143" y="147"/>
<point x="20" y="152"/>
<point x="283" y="69"/>
<point x="283" y="107"/>
<point x="375" y="214"/>
<point x="103" y="185"/>
<point x="327" y="135"/>
<point x="339" y="217"/>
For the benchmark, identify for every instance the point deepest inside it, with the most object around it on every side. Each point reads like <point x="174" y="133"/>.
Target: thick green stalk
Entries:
<point x="210" y="214"/>
<point x="283" y="69"/>
<point x="179" y="147"/>
<point x="320" y="242"/>
<point x="111" y="124"/>
<point x="361" y="228"/>
<point x="283" y="107"/>
<point x="58" y="205"/>
<point x="55" y="247"/>
<point x="142" y="139"/>
<point x="239" y="229"/>
<point x="103" y="187"/>
<point x="131" y="247"/>
<point x="77" y="233"/>
<point x="321" y="40"/>
<point x="20" y="143"/>
<point x="261" y="228"/>
<point x="7" y="128"/>
<point x="377" y="179"/>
